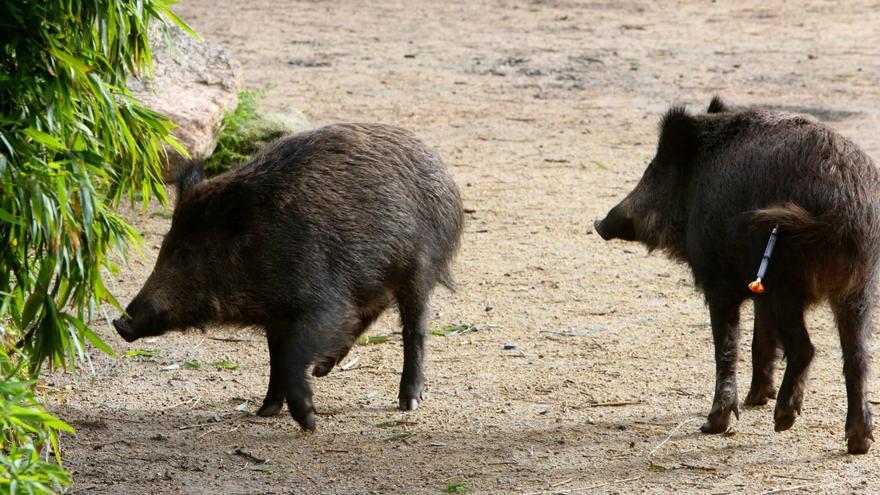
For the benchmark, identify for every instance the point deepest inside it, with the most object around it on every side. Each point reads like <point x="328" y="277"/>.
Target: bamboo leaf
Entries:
<point x="44" y="139"/>
<point x="9" y="217"/>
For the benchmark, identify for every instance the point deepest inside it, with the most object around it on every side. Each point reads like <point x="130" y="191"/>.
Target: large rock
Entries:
<point x="193" y="84"/>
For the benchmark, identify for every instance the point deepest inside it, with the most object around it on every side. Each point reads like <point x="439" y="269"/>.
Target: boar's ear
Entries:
<point x="190" y="174"/>
<point x="678" y="136"/>
<point x="716" y="105"/>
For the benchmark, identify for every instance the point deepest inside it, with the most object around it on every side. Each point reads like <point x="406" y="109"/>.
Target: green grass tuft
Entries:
<point x="246" y="130"/>
<point x="456" y="488"/>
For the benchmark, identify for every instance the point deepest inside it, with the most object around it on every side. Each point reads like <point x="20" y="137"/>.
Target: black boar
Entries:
<point x="310" y="240"/>
<point x="718" y="184"/>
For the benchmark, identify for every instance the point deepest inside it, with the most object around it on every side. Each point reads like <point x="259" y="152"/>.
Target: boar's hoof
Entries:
<point x="269" y="409"/>
<point x="858" y="444"/>
<point x="783" y="418"/>
<point x="759" y="397"/>
<point x="408" y="404"/>
<point x="719" y="418"/>
<point x="307" y="423"/>
<point x="715" y="426"/>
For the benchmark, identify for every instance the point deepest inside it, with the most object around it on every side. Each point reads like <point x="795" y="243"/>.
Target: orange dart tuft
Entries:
<point x="757" y="287"/>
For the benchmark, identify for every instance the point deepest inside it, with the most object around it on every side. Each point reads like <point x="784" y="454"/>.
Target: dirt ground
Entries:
<point x="546" y="112"/>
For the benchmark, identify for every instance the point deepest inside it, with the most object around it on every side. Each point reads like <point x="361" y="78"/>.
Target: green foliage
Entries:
<point x="243" y="132"/>
<point x="73" y="142"/>
<point x="26" y="432"/>
<point x="233" y="144"/>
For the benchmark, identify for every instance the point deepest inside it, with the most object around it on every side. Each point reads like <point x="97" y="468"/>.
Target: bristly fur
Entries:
<point x="189" y="174"/>
<point x="678" y="134"/>
<point x="716" y="105"/>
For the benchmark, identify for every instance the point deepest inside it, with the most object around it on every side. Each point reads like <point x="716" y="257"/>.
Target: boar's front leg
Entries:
<point x="854" y="325"/>
<point x="724" y="313"/>
<point x="297" y="355"/>
<point x="413" y="305"/>
<point x="763" y="356"/>
<point x="292" y="349"/>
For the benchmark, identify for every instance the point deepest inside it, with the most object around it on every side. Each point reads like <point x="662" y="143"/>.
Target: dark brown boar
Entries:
<point x="718" y="184"/>
<point x="311" y="240"/>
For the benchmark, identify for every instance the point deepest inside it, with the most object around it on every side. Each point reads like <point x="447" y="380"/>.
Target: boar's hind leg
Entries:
<point x="788" y="312"/>
<point x="275" y="394"/>
<point x="854" y="325"/>
<point x="763" y="356"/>
<point x="327" y="362"/>
<point x="724" y="313"/>
<point x="413" y="305"/>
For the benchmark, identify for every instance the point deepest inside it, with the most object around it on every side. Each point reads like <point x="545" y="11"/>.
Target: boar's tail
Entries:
<point x="799" y="224"/>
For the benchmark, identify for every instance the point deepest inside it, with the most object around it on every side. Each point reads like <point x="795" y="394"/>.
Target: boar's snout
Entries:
<point x="598" y="225"/>
<point x="125" y="329"/>
<point x="615" y="226"/>
<point x="141" y="319"/>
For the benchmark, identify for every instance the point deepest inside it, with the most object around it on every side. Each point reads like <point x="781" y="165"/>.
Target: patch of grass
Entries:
<point x="224" y="364"/>
<point x="246" y="130"/>
<point x="192" y="365"/>
<point x="373" y="339"/>
<point x="461" y="328"/>
<point x="456" y="488"/>
<point x="233" y="143"/>
<point x="146" y="353"/>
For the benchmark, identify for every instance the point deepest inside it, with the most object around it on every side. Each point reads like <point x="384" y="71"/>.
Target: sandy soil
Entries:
<point x="546" y="113"/>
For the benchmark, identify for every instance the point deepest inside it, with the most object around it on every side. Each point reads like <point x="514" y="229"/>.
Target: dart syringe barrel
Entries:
<point x="768" y="251"/>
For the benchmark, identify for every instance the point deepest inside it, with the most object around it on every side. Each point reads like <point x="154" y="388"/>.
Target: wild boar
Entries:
<point x="311" y="240"/>
<point x="718" y="184"/>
